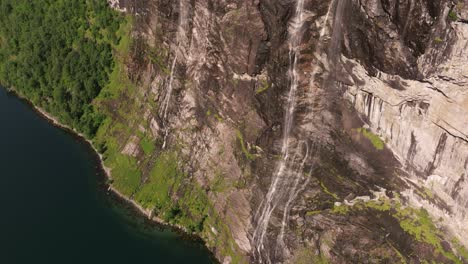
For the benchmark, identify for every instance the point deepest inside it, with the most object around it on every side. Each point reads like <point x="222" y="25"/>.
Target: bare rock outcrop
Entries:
<point x="425" y="121"/>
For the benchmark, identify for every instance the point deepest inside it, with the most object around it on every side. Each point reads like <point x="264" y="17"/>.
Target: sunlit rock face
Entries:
<point x="420" y="104"/>
<point x="265" y="103"/>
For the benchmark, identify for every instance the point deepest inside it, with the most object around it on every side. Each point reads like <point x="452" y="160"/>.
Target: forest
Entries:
<point x="58" y="54"/>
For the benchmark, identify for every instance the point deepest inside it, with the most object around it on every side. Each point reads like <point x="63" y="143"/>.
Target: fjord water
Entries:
<point x="54" y="209"/>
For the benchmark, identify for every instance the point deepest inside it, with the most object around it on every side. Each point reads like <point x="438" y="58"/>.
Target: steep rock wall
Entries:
<point x="206" y="53"/>
<point x="212" y="83"/>
<point x="424" y="121"/>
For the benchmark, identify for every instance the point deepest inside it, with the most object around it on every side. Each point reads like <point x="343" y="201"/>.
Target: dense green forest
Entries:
<point x="58" y="54"/>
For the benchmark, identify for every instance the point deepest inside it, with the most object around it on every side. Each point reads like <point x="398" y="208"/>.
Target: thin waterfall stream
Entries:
<point x="274" y="194"/>
<point x="170" y="88"/>
<point x="322" y="34"/>
<point x="167" y="100"/>
<point x="180" y="38"/>
<point x="285" y="185"/>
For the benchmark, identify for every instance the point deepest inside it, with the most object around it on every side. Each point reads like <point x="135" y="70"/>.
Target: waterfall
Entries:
<point x="274" y="194"/>
<point x="181" y="37"/>
<point x="183" y="26"/>
<point x="294" y="192"/>
<point x="334" y="47"/>
<point x="170" y="87"/>
<point x="319" y="46"/>
<point x="285" y="185"/>
<point x="166" y="102"/>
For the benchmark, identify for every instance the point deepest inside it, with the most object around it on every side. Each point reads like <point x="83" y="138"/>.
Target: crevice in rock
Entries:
<point x="448" y="132"/>
<point x="440" y="91"/>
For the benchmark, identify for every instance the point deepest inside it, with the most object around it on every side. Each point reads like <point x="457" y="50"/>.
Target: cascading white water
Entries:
<point x="170" y="87"/>
<point x="286" y="179"/>
<point x="319" y="46"/>
<point x="294" y="192"/>
<point x="183" y="27"/>
<point x="181" y="37"/>
<point x="273" y="196"/>
<point x="167" y="101"/>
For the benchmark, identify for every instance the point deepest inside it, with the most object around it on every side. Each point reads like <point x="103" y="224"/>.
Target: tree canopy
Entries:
<point x="58" y="54"/>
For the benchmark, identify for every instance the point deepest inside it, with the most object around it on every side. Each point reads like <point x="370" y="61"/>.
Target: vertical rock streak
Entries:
<point x="408" y="16"/>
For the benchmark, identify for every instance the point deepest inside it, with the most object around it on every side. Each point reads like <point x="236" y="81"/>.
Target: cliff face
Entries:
<point x="307" y="127"/>
<point x="421" y="113"/>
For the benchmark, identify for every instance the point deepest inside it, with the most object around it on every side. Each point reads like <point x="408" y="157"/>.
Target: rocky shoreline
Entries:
<point x="118" y="197"/>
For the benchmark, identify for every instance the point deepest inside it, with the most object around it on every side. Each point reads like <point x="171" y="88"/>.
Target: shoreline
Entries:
<point x="107" y="175"/>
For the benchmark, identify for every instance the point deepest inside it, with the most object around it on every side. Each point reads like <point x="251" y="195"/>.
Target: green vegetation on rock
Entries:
<point x="309" y="213"/>
<point x="453" y="15"/>
<point x="264" y="86"/>
<point x="340" y="209"/>
<point x="195" y="207"/>
<point x="415" y="222"/>
<point x="438" y="40"/>
<point x="156" y="192"/>
<point x="243" y="146"/>
<point x="147" y="145"/>
<point x="461" y="250"/>
<point x="114" y="131"/>
<point x="125" y="174"/>
<point x="418" y="224"/>
<point x="373" y="138"/>
<point x="219" y="183"/>
<point x="325" y="189"/>
<point x="215" y="115"/>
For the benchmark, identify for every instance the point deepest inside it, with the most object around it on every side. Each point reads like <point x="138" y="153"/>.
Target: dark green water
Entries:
<point x="54" y="208"/>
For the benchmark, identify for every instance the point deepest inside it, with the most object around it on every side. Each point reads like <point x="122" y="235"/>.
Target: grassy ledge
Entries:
<point x="415" y="222"/>
<point x="373" y="138"/>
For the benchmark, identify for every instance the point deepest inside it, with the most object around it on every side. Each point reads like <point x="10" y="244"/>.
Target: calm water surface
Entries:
<point x="54" y="210"/>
